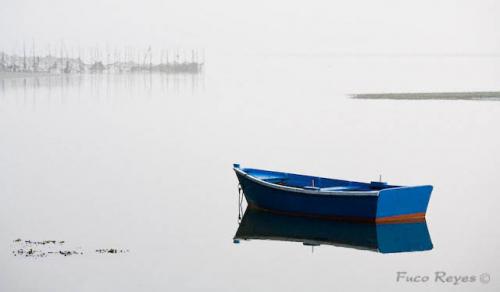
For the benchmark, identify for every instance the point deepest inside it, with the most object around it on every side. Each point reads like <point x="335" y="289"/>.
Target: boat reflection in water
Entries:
<point x="383" y="238"/>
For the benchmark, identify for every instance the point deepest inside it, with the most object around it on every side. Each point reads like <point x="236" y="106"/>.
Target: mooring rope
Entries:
<point x="240" y="202"/>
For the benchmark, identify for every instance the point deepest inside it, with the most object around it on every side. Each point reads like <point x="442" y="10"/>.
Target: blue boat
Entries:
<point x="306" y="195"/>
<point x="383" y="238"/>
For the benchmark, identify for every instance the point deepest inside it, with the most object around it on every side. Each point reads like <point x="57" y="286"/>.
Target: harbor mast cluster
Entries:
<point x="66" y="60"/>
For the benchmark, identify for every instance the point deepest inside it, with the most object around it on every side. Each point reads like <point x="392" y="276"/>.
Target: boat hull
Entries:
<point x="389" y="205"/>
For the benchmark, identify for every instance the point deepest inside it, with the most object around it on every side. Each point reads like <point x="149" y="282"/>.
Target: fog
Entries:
<point x="279" y="27"/>
<point x="111" y="158"/>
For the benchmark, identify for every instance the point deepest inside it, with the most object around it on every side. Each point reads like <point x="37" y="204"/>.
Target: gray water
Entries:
<point x="143" y="163"/>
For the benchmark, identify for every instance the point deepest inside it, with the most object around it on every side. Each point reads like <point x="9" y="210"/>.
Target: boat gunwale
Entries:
<point x="309" y="192"/>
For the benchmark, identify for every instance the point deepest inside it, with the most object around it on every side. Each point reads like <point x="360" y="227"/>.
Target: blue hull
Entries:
<point x="337" y="199"/>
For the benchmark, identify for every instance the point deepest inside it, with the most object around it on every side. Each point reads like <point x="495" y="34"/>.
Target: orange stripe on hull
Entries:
<point x="415" y="217"/>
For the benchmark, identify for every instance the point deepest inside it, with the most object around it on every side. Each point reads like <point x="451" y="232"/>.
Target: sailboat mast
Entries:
<point x="24" y="57"/>
<point x="34" y="57"/>
<point x="62" y="57"/>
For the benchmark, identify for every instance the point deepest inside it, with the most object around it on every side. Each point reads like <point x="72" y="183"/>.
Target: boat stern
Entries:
<point x="403" y="203"/>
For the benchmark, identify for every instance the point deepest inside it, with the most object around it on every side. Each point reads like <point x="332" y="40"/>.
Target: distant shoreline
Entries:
<point x="473" y="95"/>
<point x="22" y="75"/>
<point x="16" y="75"/>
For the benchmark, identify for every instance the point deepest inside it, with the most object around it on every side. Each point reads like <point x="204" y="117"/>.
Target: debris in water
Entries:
<point x="29" y="248"/>
<point x="111" y="250"/>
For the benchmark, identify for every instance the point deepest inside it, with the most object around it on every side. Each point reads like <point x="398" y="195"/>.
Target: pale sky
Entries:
<point x="353" y="27"/>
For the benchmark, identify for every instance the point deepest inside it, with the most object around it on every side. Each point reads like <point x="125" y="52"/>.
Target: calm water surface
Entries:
<point x="143" y="162"/>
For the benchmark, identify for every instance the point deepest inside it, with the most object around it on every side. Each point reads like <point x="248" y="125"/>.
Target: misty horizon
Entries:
<point x="223" y="27"/>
